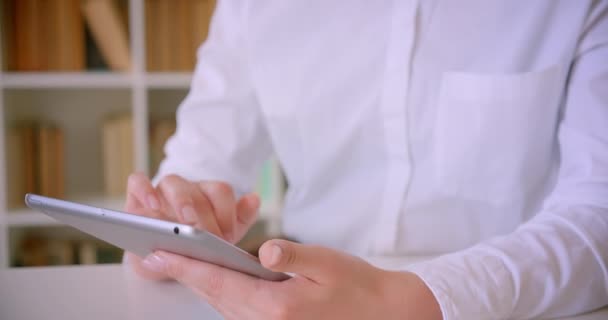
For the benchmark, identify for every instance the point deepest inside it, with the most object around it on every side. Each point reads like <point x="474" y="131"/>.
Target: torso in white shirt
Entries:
<point x="424" y="127"/>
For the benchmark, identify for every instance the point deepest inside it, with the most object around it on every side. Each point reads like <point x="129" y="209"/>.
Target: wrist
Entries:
<point x="409" y="296"/>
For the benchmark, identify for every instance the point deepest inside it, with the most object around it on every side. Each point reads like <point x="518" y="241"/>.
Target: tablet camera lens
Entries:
<point x="176" y="230"/>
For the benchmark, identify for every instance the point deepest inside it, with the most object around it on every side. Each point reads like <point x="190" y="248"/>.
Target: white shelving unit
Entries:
<point x="87" y="92"/>
<point x="25" y="217"/>
<point x="84" y="80"/>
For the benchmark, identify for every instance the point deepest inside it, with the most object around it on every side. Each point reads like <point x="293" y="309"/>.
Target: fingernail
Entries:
<point x="275" y="255"/>
<point x="153" y="202"/>
<point x="228" y="235"/>
<point x="154" y="263"/>
<point x="189" y="215"/>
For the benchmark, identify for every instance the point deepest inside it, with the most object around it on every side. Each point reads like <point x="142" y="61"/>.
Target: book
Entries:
<point x="22" y="163"/>
<point x="202" y="12"/>
<point x="15" y="168"/>
<point x="39" y="247"/>
<point x="174" y="31"/>
<point x="94" y="252"/>
<point x="109" y="31"/>
<point x="60" y="252"/>
<point x="50" y="173"/>
<point x="126" y="151"/>
<point x="45" y="35"/>
<point x="110" y="140"/>
<point x="94" y="59"/>
<point x="159" y="135"/>
<point x="32" y="252"/>
<point x="59" y="164"/>
<point x="182" y="54"/>
<point x="117" y="149"/>
<point x="35" y="162"/>
<point x="151" y="18"/>
<point x="87" y="252"/>
<point x="45" y="161"/>
<point x="107" y="253"/>
<point x="30" y="156"/>
<point x="164" y="33"/>
<point x="65" y="41"/>
<point x="43" y="248"/>
<point x="8" y="35"/>
<point x="29" y="53"/>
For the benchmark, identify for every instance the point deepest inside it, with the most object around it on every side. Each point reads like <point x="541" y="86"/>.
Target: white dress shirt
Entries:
<point x="475" y="130"/>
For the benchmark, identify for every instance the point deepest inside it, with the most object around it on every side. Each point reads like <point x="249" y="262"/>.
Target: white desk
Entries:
<point x="95" y="293"/>
<point x="106" y="292"/>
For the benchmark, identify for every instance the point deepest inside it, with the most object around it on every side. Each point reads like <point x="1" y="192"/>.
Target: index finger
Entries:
<point x="141" y="193"/>
<point x="222" y="199"/>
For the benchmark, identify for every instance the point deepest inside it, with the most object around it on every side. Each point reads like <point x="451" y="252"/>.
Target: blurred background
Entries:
<point x="88" y="94"/>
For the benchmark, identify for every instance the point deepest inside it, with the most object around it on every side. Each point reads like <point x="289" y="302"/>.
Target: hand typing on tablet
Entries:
<point x="207" y="205"/>
<point x="327" y="284"/>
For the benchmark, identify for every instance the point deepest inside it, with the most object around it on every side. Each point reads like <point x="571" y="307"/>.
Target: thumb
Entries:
<point x="312" y="262"/>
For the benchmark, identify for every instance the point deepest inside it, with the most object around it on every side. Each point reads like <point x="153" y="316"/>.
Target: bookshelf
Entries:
<point x="78" y="103"/>
<point x="40" y="80"/>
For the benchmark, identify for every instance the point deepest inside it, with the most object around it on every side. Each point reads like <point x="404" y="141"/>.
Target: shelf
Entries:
<point x="168" y="80"/>
<point x="34" y="80"/>
<point x="78" y="103"/>
<point x="27" y="217"/>
<point x="30" y="219"/>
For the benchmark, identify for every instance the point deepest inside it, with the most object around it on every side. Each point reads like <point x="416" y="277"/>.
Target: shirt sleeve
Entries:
<point x="556" y="264"/>
<point x="220" y="133"/>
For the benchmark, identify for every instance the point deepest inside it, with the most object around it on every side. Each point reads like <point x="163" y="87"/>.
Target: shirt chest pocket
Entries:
<point x="494" y="134"/>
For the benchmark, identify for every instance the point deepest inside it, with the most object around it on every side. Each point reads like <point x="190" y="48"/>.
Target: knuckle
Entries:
<point x="181" y="200"/>
<point x="218" y="188"/>
<point x="172" y="188"/>
<point x="291" y="257"/>
<point x="135" y="180"/>
<point x="170" y="180"/>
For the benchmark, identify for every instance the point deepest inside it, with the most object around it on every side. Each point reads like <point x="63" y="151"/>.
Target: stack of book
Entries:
<point x="118" y="160"/>
<point x="160" y="132"/>
<point x="96" y="252"/>
<point x="108" y="24"/>
<point x="35" y="162"/>
<point x="38" y="250"/>
<point x="174" y="30"/>
<point x="44" y="35"/>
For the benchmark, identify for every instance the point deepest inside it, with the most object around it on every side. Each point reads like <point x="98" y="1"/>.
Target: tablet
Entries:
<point x="142" y="235"/>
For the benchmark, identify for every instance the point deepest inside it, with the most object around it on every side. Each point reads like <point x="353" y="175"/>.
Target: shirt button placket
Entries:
<point x="394" y="110"/>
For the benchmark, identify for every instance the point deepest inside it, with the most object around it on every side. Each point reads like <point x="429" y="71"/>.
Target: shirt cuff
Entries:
<point x="424" y="272"/>
<point x="468" y="285"/>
